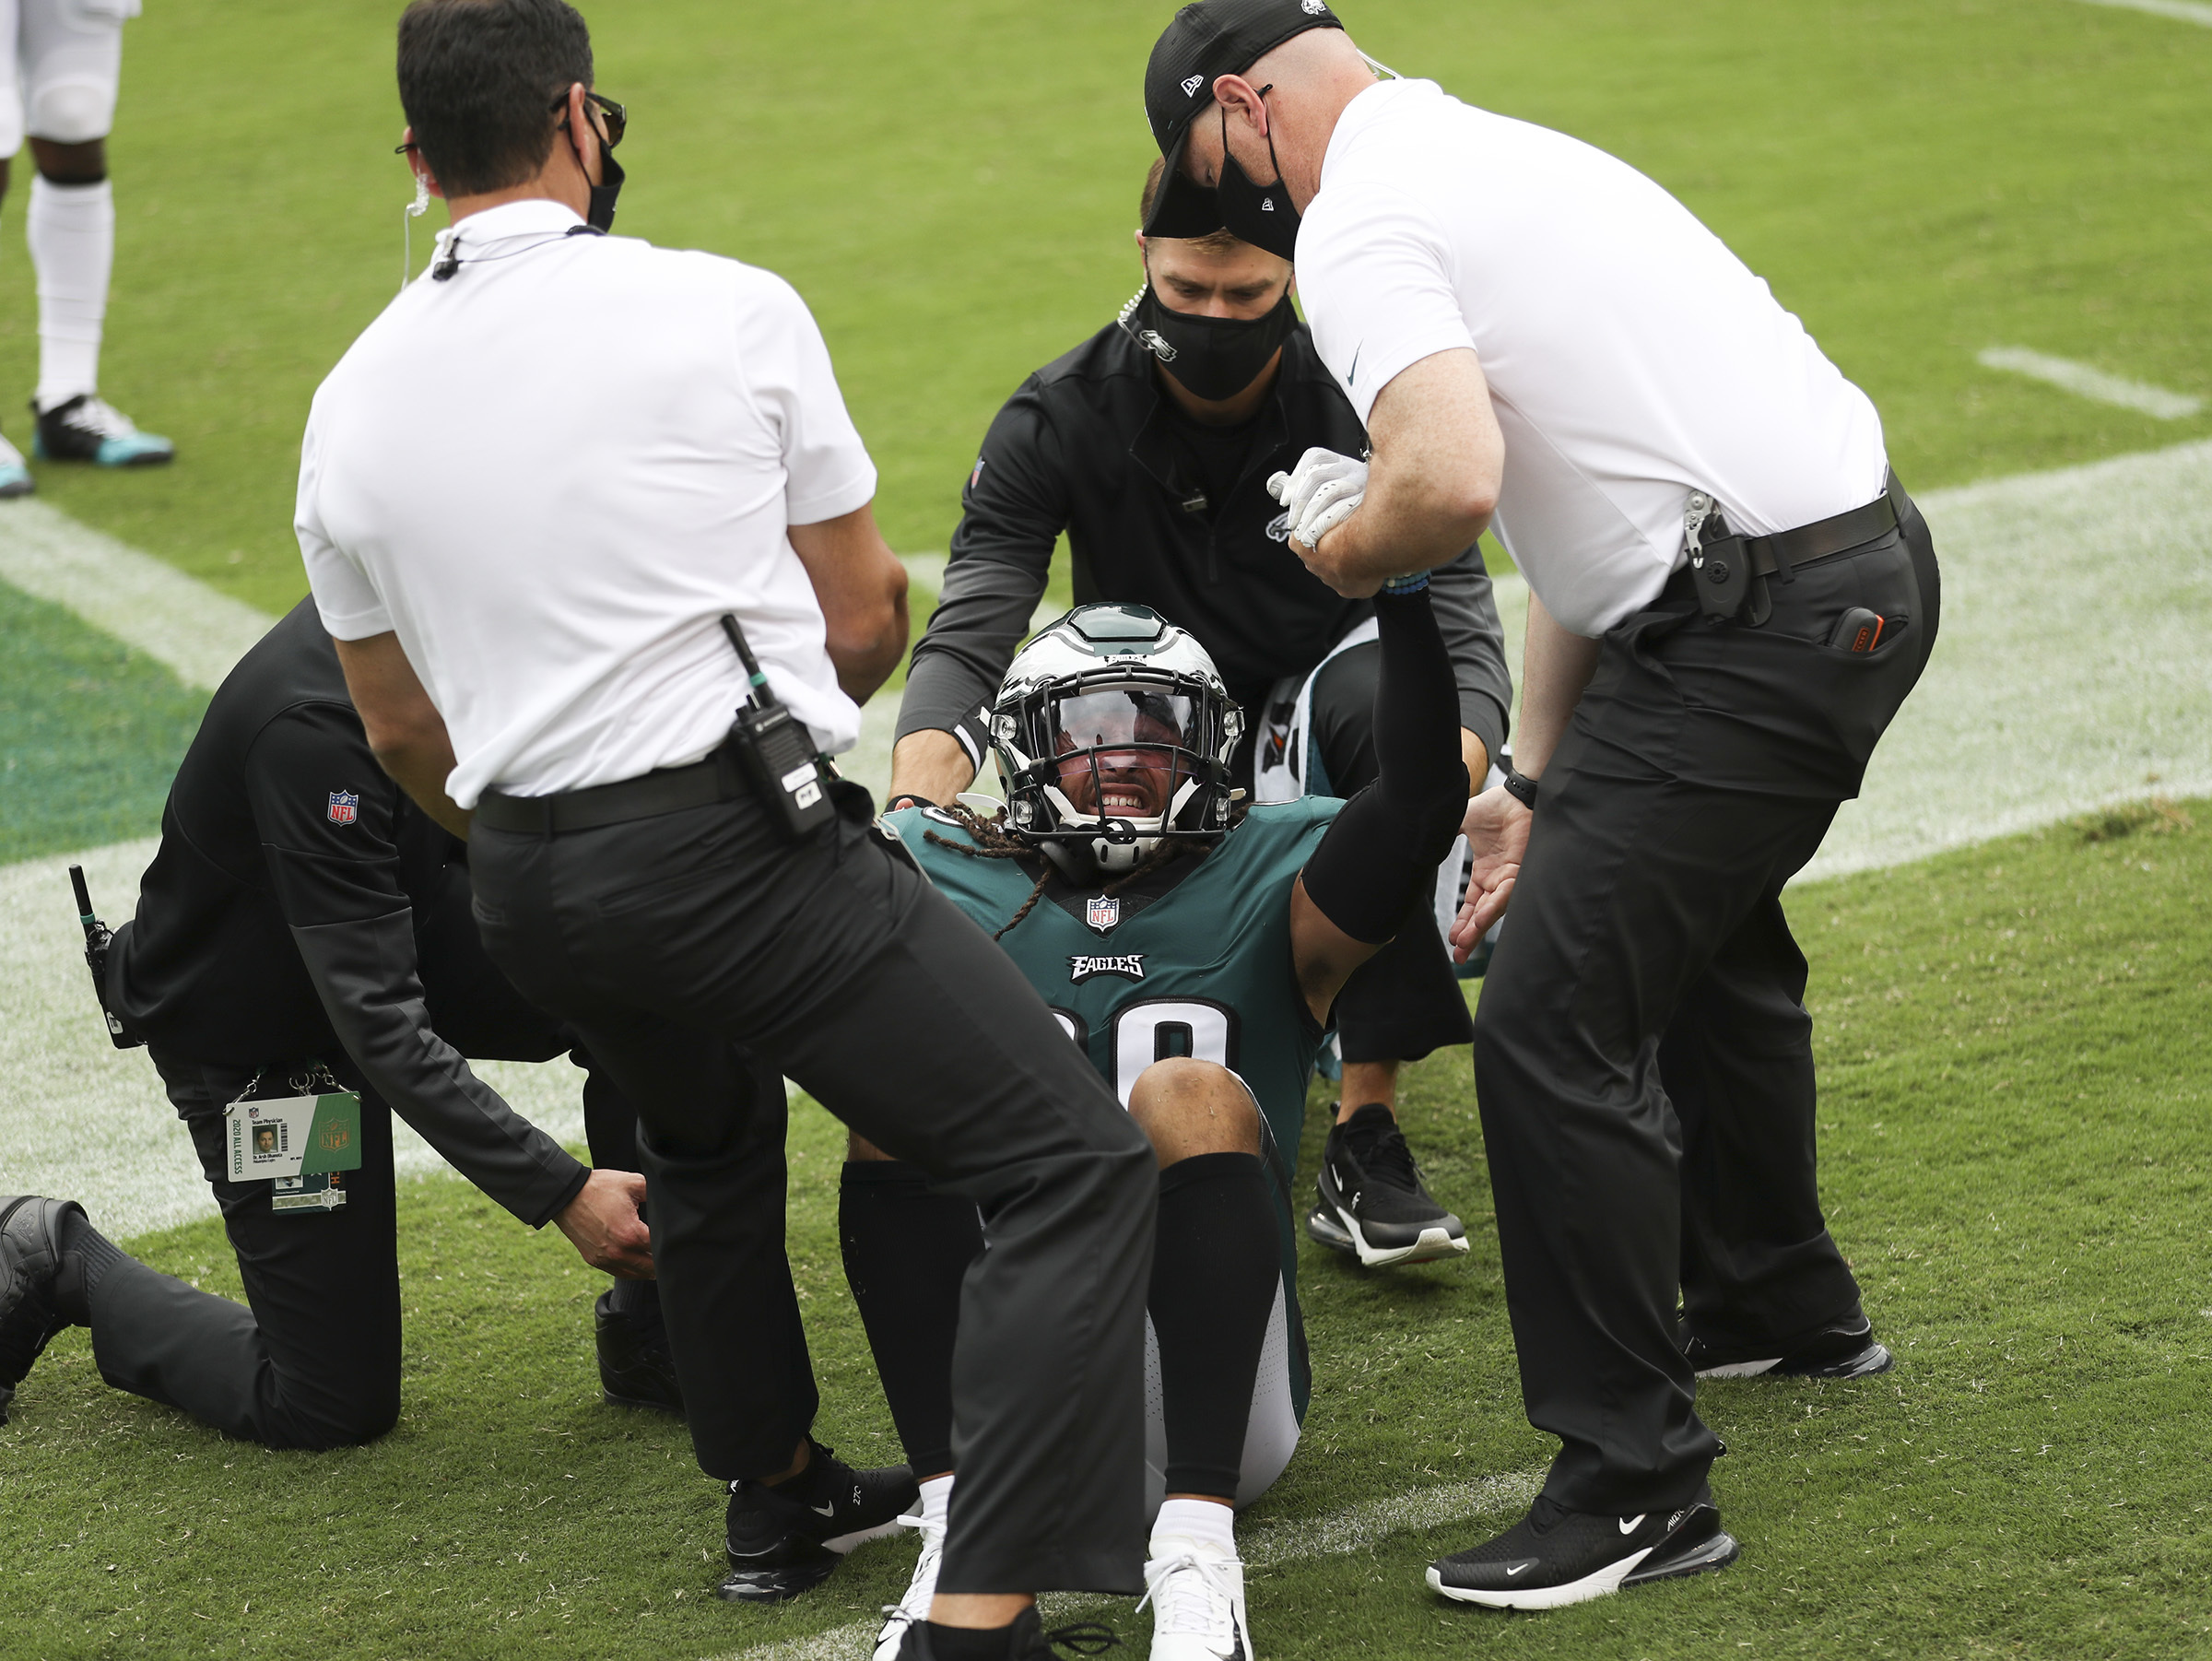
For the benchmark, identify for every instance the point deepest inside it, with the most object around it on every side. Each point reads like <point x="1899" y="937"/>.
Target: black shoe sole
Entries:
<point x="614" y="1398"/>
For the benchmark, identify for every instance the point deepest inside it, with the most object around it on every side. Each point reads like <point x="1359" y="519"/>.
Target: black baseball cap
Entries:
<point x="1208" y="40"/>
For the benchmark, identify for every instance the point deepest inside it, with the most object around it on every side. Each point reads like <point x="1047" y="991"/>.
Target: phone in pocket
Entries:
<point x="1858" y="629"/>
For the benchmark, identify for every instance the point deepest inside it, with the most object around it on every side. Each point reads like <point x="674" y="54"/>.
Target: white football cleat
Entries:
<point x="913" y="1608"/>
<point x="1196" y="1591"/>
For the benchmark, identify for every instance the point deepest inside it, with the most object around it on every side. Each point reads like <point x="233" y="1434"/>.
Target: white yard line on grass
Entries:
<point x="1266" y="1545"/>
<point x="2070" y="670"/>
<point x="2184" y="11"/>
<point x="134" y="596"/>
<point x="2089" y="382"/>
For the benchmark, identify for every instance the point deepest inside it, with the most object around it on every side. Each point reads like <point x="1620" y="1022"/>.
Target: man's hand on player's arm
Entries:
<point x="1429" y="489"/>
<point x="1555" y="667"/>
<point x="931" y="765"/>
<point x="603" y="1224"/>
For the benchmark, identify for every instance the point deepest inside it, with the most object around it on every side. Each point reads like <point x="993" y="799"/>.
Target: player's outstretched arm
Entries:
<point x="1378" y="861"/>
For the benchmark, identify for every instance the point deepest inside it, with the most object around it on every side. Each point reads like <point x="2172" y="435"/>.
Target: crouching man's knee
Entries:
<point x="1188" y="1107"/>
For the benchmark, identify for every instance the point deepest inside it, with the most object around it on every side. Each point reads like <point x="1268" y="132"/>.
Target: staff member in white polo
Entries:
<point x="542" y="499"/>
<point x="1731" y="599"/>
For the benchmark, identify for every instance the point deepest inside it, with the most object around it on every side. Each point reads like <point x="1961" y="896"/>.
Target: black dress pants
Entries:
<point x="832" y="959"/>
<point x="312" y="1360"/>
<point x="1405" y="1000"/>
<point x="1643" y="1055"/>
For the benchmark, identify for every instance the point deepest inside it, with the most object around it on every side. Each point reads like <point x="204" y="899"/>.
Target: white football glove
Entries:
<point x="1321" y="493"/>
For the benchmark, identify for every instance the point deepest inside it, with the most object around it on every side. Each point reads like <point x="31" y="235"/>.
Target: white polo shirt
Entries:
<point x="552" y="475"/>
<point x="1631" y="358"/>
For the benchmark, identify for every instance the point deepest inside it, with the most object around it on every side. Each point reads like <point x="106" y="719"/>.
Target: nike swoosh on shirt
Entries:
<point x="1351" y="375"/>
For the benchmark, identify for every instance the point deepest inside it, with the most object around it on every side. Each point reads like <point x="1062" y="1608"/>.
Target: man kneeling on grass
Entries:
<point x="1194" y="948"/>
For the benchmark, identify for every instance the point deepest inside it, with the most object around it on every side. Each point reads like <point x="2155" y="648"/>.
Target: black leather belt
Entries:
<point x="1825" y="539"/>
<point x="665" y="790"/>
<point x="1726" y="573"/>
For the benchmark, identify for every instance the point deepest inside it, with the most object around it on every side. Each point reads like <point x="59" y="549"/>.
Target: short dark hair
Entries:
<point x="1214" y="241"/>
<point x="478" y="79"/>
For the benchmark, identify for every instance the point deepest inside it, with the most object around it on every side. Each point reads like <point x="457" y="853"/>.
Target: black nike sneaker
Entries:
<point x="89" y="429"/>
<point x="30" y="1256"/>
<point x="783" y="1540"/>
<point x="1025" y="1640"/>
<point x="635" y="1369"/>
<point x="1373" y="1203"/>
<point x="1847" y="1349"/>
<point x="1553" y="1557"/>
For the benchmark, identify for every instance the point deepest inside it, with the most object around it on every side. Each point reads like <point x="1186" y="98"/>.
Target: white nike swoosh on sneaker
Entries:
<point x="1627" y="1524"/>
<point x="830" y="1509"/>
<point x="1513" y="1569"/>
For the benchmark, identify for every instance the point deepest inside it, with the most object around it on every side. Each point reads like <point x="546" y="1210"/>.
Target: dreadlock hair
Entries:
<point x="991" y="842"/>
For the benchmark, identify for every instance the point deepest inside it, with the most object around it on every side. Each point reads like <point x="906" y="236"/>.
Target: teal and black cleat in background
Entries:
<point x="89" y="429"/>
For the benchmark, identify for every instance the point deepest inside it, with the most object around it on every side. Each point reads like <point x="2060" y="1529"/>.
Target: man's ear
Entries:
<point x="581" y="134"/>
<point x="422" y="167"/>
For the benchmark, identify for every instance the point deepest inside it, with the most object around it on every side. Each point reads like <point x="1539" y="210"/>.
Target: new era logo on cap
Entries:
<point x="1313" y="8"/>
<point x="1192" y="85"/>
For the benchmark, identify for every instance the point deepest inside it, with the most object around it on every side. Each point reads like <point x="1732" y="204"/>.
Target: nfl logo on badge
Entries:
<point x="1101" y="911"/>
<point x="344" y="807"/>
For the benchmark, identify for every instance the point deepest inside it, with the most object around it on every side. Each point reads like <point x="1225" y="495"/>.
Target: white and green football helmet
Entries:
<point x="1103" y="695"/>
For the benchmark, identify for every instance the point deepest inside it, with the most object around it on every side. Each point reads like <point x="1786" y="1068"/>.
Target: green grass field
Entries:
<point x="2014" y="1042"/>
<point x="953" y="186"/>
<point x="2015" y="1062"/>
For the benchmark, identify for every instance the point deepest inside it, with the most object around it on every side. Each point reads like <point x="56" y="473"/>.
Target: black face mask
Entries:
<point x="600" y="214"/>
<point x="1214" y="357"/>
<point x="1258" y="214"/>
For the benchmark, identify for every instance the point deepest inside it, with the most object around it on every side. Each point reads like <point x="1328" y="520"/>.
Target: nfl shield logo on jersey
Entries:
<point x="1101" y="911"/>
<point x="345" y="806"/>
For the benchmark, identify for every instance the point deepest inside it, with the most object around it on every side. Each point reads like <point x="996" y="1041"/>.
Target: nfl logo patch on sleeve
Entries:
<point x="1101" y="911"/>
<point x="345" y="806"/>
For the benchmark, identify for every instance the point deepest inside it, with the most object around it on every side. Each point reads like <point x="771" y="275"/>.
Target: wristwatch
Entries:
<point x="1521" y="787"/>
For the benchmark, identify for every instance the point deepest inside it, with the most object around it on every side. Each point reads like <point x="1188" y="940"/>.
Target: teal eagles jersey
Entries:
<point x="1202" y="969"/>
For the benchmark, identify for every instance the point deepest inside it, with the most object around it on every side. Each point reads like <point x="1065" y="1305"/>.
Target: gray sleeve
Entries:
<point x="365" y="974"/>
<point x="1467" y="617"/>
<point x="1012" y="511"/>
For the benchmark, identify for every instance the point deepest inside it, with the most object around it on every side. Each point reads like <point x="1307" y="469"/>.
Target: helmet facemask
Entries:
<point x="1103" y="767"/>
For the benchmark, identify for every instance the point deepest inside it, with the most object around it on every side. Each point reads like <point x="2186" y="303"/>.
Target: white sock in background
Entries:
<point x="71" y="228"/>
<point x="1200" y="1520"/>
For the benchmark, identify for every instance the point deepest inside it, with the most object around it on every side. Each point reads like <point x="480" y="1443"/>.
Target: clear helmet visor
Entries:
<point x="1124" y="752"/>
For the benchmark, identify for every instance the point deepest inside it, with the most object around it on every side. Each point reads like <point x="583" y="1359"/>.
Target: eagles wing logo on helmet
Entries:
<point x="1112" y="734"/>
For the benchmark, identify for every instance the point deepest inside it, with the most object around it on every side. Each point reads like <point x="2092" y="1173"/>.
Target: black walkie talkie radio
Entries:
<point x="96" y="938"/>
<point x="777" y="750"/>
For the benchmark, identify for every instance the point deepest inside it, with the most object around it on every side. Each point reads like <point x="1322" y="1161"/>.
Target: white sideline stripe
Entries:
<point x="1288" y="1541"/>
<point x="2090" y="381"/>
<point x="140" y="600"/>
<point x="2186" y="11"/>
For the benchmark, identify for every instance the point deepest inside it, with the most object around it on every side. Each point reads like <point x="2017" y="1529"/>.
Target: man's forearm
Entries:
<point x="1555" y="667"/>
<point x="932" y="765"/>
<point x="421" y="769"/>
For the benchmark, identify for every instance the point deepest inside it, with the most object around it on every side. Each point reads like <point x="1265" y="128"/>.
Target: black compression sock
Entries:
<point x="641" y="1297"/>
<point x="971" y="1642"/>
<point x="87" y="1254"/>
<point x="906" y="1249"/>
<point x="1215" y="1270"/>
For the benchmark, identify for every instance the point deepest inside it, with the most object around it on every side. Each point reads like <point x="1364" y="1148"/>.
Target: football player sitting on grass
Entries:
<point x="1192" y="945"/>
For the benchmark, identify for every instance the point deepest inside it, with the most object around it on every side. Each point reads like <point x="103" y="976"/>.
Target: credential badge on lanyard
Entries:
<point x="303" y="1143"/>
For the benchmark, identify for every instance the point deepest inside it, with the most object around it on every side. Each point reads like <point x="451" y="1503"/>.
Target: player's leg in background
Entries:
<point x="907" y="1248"/>
<point x="15" y="477"/>
<point x="71" y="65"/>
<point x="1217" y="1279"/>
<point x="314" y="1362"/>
<point x="1399" y="1005"/>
